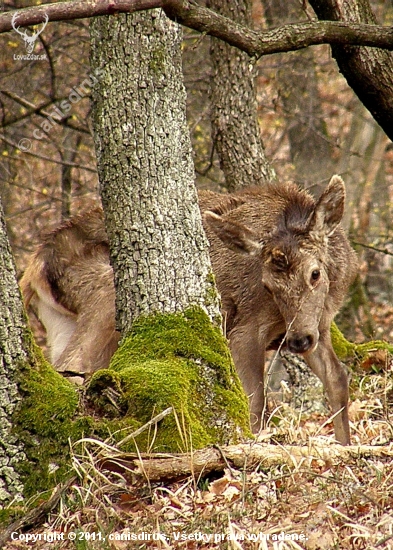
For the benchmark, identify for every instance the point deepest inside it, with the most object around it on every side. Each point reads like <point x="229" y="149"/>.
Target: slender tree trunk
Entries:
<point x="363" y="153"/>
<point x="310" y="148"/>
<point x="14" y="352"/>
<point x="71" y="144"/>
<point x="235" y="126"/>
<point x="369" y="71"/>
<point x="158" y="247"/>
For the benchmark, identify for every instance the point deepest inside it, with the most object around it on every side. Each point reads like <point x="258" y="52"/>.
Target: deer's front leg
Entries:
<point x="249" y="357"/>
<point x="324" y="363"/>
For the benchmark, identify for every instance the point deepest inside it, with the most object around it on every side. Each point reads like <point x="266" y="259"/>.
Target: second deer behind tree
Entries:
<point x="282" y="264"/>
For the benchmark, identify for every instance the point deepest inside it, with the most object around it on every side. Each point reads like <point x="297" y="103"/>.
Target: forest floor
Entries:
<point x="323" y="504"/>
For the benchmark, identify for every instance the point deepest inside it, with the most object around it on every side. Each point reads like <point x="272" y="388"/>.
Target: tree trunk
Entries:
<point x="362" y="155"/>
<point x="14" y="352"/>
<point x="37" y="406"/>
<point x="71" y="143"/>
<point x="310" y="149"/>
<point x="158" y="247"/>
<point x="235" y="127"/>
<point x="172" y="353"/>
<point x="369" y="71"/>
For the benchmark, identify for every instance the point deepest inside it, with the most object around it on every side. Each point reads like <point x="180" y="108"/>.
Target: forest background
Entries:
<point x="312" y="126"/>
<point x="311" y="122"/>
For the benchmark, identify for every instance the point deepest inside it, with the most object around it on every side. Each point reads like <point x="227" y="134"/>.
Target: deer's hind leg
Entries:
<point x="94" y="339"/>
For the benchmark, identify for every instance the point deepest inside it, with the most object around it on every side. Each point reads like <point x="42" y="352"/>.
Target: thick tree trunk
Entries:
<point x="369" y="71"/>
<point x="158" y="247"/>
<point x="14" y="352"/>
<point x="235" y="127"/>
<point x="172" y="354"/>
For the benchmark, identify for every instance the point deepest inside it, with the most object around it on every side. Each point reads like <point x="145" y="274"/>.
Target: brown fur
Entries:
<point x="70" y="284"/>
<point x="282" y="265"/>
<point x="264" y="251"/>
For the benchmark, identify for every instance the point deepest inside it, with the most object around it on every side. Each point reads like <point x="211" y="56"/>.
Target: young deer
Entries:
<point x="282" y="264"/>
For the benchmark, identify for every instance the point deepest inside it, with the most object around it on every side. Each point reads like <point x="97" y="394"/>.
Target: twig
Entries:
<point x="44" y="157"/>
<point x="382" y="250"/>
<point x="154" y="420"/>
<point x="37" y="515"/>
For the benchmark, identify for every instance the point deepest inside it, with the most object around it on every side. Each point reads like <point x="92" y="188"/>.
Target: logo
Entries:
<point x="29" y="39"/>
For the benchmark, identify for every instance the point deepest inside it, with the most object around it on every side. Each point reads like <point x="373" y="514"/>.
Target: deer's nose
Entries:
<point x="300" y="343"/>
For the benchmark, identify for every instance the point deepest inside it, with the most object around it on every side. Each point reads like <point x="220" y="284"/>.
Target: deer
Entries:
<point x="282" y="264"/>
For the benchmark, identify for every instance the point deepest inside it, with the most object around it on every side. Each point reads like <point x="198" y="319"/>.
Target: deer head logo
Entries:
<point x="29" y="39"/>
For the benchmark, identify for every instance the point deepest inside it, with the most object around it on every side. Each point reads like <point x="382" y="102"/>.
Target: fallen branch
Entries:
<point x="168" y="467"/>
<point x="162" y="467"/>
<point x="38" y="515"/>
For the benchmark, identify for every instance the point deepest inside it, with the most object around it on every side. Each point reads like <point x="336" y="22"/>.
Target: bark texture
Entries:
<point x="310" y="149"/>
<point x="235" y="127"/>
<point x="14" y="353"/>
<point x="369" y="71"/>
<point x="158" y="248"/>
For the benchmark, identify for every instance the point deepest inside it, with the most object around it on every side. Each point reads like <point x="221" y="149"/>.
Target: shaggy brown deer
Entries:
<point x="282" y="264"/>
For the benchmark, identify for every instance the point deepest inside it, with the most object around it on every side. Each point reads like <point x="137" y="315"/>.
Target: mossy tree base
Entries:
<point x="356" y="353"/>
<point x="174" y="360"/>
<point x="46" y="421"/>
<point x="178" y="360"/>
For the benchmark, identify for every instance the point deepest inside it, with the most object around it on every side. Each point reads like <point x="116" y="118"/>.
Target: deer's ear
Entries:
<point x="329" y="209"/>
<point x="235" y="236"/>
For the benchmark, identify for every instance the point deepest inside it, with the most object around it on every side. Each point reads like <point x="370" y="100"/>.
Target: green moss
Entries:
<point x="346" y="350"/>
<point x="114" y="430"/>
<point x="343" y="348"/>
<point x="179" y="360"/>
<point x="44" y="421"/>
<point x="362" y="350"/>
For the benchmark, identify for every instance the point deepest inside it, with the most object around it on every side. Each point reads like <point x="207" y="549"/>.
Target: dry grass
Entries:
<point x="343" y="506"/>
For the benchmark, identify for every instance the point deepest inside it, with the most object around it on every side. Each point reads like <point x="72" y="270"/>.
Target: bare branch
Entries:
<point x="45" y="157"/>
<point x="370" y="247"/>
<point x="282" y="39"/>
<point x="65" y="11"/>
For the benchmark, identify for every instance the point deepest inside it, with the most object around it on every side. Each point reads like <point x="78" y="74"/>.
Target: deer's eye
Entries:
<point x="315" y="275"/>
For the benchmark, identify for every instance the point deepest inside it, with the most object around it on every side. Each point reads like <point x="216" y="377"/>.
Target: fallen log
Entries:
<point x="248" y="456"/>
